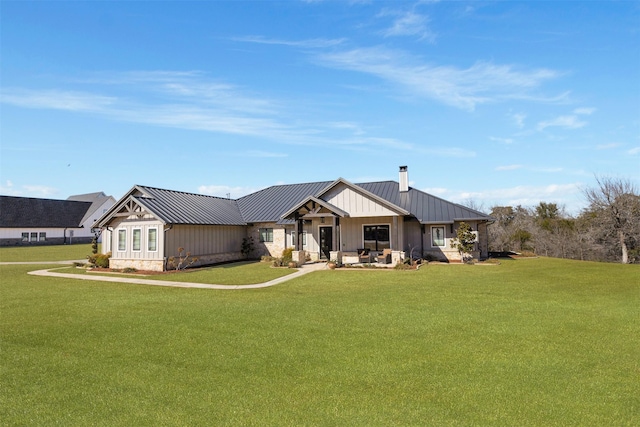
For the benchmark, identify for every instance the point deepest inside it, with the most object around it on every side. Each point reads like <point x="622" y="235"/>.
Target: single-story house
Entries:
<point x="330" y="220"/>
<point x="35" y="221"/>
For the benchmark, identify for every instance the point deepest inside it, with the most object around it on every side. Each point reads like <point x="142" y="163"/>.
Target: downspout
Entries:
<point x="422" y="231"/>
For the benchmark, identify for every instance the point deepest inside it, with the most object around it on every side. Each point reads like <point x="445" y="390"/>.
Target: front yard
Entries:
<point x="533" y="342"/>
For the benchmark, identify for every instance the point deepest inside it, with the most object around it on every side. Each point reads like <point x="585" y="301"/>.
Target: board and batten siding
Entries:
<point x="356" y="204"/>
<point x="352" y="231"/>
<point x="204" y="239"/>
<point x="143" y="253"/>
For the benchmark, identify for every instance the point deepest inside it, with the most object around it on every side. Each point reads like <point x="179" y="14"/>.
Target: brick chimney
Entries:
<point x="404" y="179"/>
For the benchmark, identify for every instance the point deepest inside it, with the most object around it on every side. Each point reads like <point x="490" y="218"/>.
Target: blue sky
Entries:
<point x="495" y="102"/>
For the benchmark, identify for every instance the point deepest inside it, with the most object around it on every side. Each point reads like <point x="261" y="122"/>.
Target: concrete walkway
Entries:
<point x="306" y="268"/>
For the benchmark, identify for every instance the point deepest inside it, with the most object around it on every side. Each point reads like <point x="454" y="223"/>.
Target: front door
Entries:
<point x="326" y="242"/>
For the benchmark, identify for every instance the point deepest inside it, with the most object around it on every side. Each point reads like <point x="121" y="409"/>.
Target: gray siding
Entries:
<point x="204" y="239"/>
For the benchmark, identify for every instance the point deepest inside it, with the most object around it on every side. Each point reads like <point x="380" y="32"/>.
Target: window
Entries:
<point x="25" y="237"/>
<point x="293" y="238"/>
<point x="122" y="240"/>
<point x="43" y="237"/>
<point x="152" y="240"/>
<point x="137" y="237"/>
<point x="376" y="237"/>
<point x="437" y="236"/>
<point x="266" y="234"/>
<point x="34" y="237"/>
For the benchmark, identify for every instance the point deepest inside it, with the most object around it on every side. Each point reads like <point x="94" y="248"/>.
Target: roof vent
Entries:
<point x="404" y="179"/>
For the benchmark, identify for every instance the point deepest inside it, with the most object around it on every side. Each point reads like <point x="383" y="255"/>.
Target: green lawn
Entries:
<point x="238" y="273"/>
<point x="45" y="253"/>
<point x="528" y="342"/>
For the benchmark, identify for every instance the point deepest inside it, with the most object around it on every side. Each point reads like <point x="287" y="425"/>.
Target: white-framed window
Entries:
<point x="122" y="240"/>
<point x="437" y="236"/>
<point x="136" y="239"/>
<point x="25" y="237"/>
<point x="152" y="240"/>
<point x="266" y="235"/>
<point x="376" y="237"/>
<point x="42" y="237"/>
<point x="293" y="238"/>
<point x="34" y="237"/>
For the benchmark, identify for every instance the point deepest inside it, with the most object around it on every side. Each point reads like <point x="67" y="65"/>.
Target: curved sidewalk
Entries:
<point x="306" y="268"/>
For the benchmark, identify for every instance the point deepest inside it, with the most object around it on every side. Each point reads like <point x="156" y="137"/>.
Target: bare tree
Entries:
<point x="615" y="204"/>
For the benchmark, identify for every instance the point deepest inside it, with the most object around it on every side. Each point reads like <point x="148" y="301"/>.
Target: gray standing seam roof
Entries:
<point x="271" y="203"/>
<point x="176" y="207"/>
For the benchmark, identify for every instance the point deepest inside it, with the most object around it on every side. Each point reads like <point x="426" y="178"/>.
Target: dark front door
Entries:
<point x="326" y="242"/>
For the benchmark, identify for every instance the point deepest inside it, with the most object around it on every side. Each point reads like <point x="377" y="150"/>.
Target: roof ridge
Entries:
<point x="186" y="192"/>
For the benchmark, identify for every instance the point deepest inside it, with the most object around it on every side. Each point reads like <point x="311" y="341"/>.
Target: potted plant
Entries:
<point x="332" y="264"/>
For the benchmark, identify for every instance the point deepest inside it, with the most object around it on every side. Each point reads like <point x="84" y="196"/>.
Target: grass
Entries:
<point x="531" y="342"/>
<point x="239" y="273"/>
<point x="45" y="253"/>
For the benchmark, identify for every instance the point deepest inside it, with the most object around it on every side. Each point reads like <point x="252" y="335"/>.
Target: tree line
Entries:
<point x="608" y="229"/>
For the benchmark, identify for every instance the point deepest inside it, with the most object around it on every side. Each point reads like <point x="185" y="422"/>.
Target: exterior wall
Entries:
<point x="97" y="213"/>
<point x="352" y="236"/>
<point x="274" y="248"/>
<point x="356" y="204"/>
<point x="54" y="236"/>
<point x="448" y="252"/>
<point x="129" y="256"/>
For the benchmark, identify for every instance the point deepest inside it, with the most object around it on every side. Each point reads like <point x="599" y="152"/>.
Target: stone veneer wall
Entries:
<point x="274" y="248"/>
<point x="158" y="265"/>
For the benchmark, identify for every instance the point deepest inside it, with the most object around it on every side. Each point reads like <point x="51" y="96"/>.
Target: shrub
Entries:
<point x="99" y="260"/>
<point x="129" y="270"/>
<point x="287" y="255"/>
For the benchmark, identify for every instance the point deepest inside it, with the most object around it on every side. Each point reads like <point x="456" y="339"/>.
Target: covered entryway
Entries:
<point x="326" y="242"/>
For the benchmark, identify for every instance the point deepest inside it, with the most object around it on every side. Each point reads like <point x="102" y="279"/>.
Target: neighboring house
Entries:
<point x="34" y="221"/>
<point x="320" y="220"/>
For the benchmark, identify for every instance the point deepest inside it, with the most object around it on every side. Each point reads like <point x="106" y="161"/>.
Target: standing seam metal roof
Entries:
<point x="175" y="207"/>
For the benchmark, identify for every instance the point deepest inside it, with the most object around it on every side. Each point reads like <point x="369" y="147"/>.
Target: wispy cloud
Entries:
<point x="464" y="88"/>
<point x="634" y="151"/>
<point x="501" y="140"/>
<point x="567" y="122"/>
<point x="407" y="23"/>
<point x="508" y="167"/>
<point x="609" y="146"/>
<point x="56" y="99"/>
<point x="518" y="119"/>
<point x="308" y="44"/>
<point x="42" y="191"/>
<point x="525" y="195"/>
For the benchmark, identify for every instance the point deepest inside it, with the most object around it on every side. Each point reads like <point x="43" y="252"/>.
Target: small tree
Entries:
<point x="183" y="260"/>
<point x="464" y="241"/>
<point x="246" y="248"/>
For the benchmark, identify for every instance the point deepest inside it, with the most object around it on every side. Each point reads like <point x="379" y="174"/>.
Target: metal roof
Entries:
<point x="270" y="204"/>
<point x="427" y="208"/>
<point x="30" y="212"/>
<point x="177" y="207"/>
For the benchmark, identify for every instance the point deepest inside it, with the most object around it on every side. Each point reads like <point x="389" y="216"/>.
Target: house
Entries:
<point x="30" y="221"/>
<point x="329" y="220"/>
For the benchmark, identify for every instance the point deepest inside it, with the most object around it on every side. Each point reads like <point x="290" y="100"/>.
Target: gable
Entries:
<point x="356" y="203"/>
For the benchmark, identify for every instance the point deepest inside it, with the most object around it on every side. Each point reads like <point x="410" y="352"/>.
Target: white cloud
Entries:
<point x="608" y="146"/>
<point x="501" y="140"/>
<point x="309" y="43"/>
<point x="56" y="99"/>
<point x="40" y="191"/>
<point x="408" y="23"/>
<point x="525" y="195"/>
<point x="567" y="122"/>
<point x="634" y="151"/>
<point x="509" y="167"/>
<point x="481" y="83"/>
<point x="584" y="111"/>
<point x="518" y="118"/>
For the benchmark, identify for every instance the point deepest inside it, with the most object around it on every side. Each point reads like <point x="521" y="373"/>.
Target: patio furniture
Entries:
<point x="385" y="258"/>
<point x="364" y="256"/>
